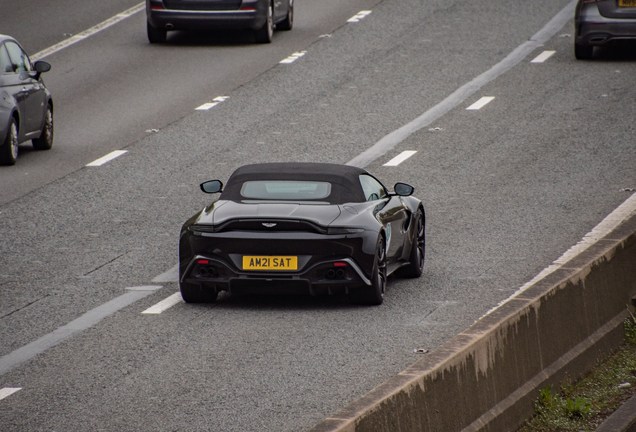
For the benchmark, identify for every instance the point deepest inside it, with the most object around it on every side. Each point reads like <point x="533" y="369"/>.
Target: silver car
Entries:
<point x="26" y="106"/>
<point x="600" y="22"/>
<point x="261" y="16"/>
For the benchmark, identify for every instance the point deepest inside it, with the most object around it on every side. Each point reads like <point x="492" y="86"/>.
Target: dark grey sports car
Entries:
<point x="301" y="228"/>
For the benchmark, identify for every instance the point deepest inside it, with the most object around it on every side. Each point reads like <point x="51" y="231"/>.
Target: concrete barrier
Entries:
<point x="486" y="378"/>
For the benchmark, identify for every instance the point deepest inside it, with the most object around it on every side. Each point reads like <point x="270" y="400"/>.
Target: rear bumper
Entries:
<point x="592" y="28"/>
<point x="171" y="19"/>
<point x="216" y="259"/>
<point x="322" y="277"/>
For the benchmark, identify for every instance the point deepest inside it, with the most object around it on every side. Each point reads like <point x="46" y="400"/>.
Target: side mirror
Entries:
<point x="403" y="189"/>
<point x="212" y="186"/>
<point x="41" y="66"/>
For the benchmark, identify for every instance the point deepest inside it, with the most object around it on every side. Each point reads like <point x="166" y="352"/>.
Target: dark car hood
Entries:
<point x="222" y="211"/>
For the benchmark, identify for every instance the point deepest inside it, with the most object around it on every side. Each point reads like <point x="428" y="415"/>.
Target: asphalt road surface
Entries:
<point x="507" y="189"/>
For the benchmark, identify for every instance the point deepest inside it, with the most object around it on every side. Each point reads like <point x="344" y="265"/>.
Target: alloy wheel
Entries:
<point x="381" y="271"/>
<point x="420" y="241"/>
<point x="13" y="137"/>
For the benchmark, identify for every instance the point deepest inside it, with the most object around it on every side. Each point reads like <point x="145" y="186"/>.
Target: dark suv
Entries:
<point x="600" y="22"/>
<point x="262" y="16"/>
<point x="26" y="107"/>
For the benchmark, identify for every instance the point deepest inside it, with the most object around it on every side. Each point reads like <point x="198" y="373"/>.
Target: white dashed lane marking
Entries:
<point x="207" y="106"/>
<point x="400" y="158"/>
<point x="109" y="157"/>
<point x="543" y="57"/>
<point x="164" y="304"/>
<point x="481" y="103"/>
<point x="357" y="17"/>
<point x="217" y="100"/>
<point x="292" y="58"/>
<point x="8" y="391"/>
<point x="171" y="275"/>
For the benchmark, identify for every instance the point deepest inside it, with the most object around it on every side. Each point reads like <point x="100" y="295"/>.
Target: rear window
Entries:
<point x="285" y="190"/>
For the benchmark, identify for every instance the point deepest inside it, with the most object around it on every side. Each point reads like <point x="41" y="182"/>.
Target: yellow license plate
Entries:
<point x="627" y="3"/>
<point x="270" y="263"/>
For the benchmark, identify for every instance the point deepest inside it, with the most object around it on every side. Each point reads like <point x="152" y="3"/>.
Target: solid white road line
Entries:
<point x="357" y="17"/>
<point x="171" y="275"/>
<point x="110" y="156"/>
<point x="400" y="158"/>
<point x="480" y="103"/>
<point x="8" y="391"/>
<point x="90" y="32"/>
<point x="164" y="304"/>
<point x="89" y="319"/>
<point x="145" y="288"/>
<point x="543" y="56"/>
<point x="292" y="58"/>
<point x="391" y="140"/>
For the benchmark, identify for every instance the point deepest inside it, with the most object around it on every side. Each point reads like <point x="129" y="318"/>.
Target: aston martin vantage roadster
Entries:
<point x="307" y="228"/>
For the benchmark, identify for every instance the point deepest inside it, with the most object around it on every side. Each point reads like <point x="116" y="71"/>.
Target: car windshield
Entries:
<point x="285" y="190"/>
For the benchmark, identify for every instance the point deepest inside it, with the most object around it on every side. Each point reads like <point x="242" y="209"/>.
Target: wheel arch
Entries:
<point x="16" y="116"/>
<point x="420" y="207"/>
<point x="382" y="235"/>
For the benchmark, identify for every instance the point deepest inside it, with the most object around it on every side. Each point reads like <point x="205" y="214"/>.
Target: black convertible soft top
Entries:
<point x="344" y="179"/>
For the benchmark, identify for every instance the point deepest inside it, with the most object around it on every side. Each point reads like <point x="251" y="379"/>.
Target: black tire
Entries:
<point x="415" y="266"/>
<point x="373" y="295"/>
<point x="194" y="293"/>
<point x="583" y="52"/>
<point x="288" y="22"/>
<point x="9" y="148"/>
<point x="45" y="140"/>
<point x="156" y="35"/>
<point x="265" y="34"/>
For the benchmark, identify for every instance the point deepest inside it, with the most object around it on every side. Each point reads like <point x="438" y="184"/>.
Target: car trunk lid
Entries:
<point x="278" y="216"/>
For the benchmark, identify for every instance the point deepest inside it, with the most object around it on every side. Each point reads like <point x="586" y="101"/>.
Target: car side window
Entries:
<point x="373" y="189"/>
<point x="19" y="59"/>
<point x="5" y="62"/>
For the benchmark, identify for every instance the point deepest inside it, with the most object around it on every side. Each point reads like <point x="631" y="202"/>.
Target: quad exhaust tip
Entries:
<point x="207" y="271"/>
<point x="335" y="274"/>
